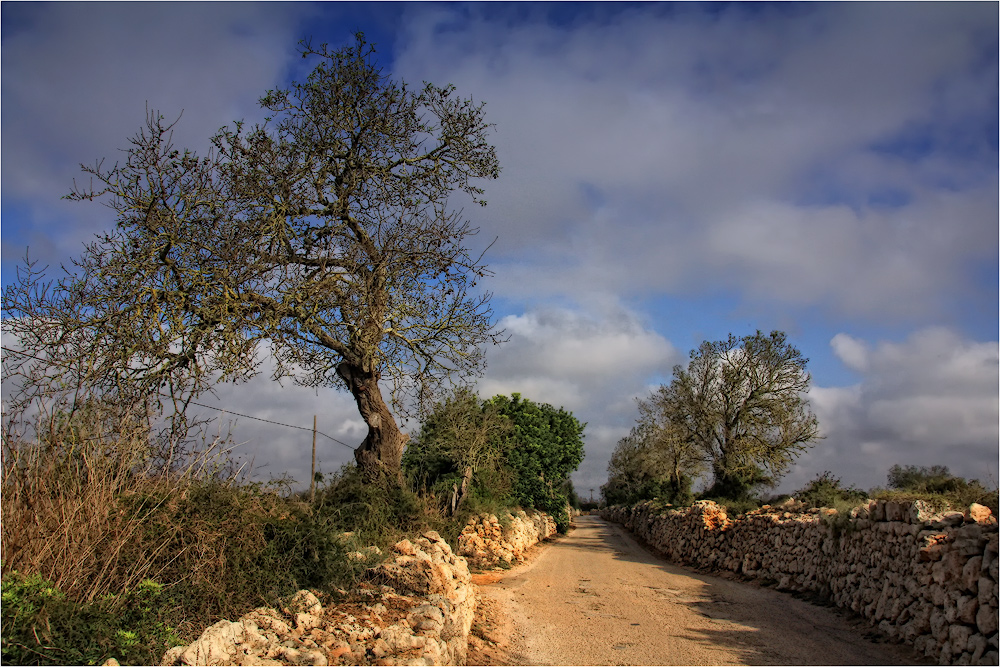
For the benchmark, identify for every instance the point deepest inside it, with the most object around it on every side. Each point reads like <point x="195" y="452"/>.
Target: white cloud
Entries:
<point x="732" y="150"/>
<point x="77" y="78"/>
<point x="931" y="399"/>
<point x="592" y="363"/>
<point x="853" y="352"/>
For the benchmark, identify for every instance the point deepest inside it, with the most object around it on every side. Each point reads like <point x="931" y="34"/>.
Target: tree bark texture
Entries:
<point x="380" y="456"/>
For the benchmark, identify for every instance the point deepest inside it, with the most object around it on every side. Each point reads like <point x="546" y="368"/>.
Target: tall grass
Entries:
<point x="63" y="502"/>
<point x="95" y="522"/>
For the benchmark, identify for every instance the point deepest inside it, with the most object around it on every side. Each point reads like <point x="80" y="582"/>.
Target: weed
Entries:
<point x="42" y="626"/>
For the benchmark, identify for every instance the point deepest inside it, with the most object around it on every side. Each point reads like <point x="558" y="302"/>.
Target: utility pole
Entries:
<point x="312" y="476"/>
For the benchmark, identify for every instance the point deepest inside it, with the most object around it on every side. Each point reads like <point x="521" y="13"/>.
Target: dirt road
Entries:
<point x="596" y="597"/>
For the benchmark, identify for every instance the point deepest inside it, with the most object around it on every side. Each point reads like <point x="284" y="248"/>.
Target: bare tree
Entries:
<point x="742" y="402"/>
<point x="324" y="232"/>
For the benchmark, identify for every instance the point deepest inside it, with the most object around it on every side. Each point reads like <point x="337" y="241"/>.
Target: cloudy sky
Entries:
<point x="671" y="173"/>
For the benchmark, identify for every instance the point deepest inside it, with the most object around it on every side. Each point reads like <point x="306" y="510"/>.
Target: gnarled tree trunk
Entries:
<point x="380" y="456"/>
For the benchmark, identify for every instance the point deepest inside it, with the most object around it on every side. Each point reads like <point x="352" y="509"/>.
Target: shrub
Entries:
<point x="937" y="486"/>
<point x="42" y="626"/>
<point x="826" y="490"/>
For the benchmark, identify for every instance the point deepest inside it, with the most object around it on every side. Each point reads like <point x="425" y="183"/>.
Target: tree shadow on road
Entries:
<point x="735" y="606"/>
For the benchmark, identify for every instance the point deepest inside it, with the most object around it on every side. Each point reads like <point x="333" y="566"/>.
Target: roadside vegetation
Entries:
<point x="324" y="235"/>
<point x="737" y="416"/>
<point x="109" y="553"/>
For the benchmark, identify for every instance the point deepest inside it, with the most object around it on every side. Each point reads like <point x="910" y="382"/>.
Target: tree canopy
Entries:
<point x="742" y="401"/>
<point x="655" y="460"/>
<point x="508" y="450"/>
<point x="739" y="407"/>
<point x="460" y="451"/>
<point x="324" y="232"/>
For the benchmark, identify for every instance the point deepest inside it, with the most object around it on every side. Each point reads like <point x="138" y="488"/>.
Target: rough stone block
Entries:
<point x="986" y="620"/>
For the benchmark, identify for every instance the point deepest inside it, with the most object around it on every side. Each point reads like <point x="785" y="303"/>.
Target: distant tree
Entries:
<point x="545" y="447"/>
<point x="656" y="459"/>
<point x="742" y="402"/>
<point x="938" y="485"/>
<point x="924" y="479"/>
<point x="325" y="233"/>
<point x="636" y="471"/>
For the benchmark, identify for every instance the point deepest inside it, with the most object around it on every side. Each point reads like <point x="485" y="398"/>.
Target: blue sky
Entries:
<point x="670" y="173"/>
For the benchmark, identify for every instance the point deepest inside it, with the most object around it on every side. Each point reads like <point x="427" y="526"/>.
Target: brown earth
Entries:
<point x="597" y="597"/>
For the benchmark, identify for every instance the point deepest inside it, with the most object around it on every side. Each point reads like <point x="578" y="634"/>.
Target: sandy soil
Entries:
<point x="597" y="597"/>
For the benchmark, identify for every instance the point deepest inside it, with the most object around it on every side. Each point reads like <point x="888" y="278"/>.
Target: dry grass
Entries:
<point x="77" y="500"/>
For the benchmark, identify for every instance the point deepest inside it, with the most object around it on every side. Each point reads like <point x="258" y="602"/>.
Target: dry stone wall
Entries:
<point x="489" y="542"/>
<point x="419" y="610"/>
<point x="415" y="608"/>
<point x="926" y="579"/>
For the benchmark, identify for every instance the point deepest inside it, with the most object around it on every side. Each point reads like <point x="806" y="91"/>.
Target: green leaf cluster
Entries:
<point x="42" y="626"/>
<point x="938" y="486"/>
<point x="545" y="447"/>
<point x="507" y="451"/>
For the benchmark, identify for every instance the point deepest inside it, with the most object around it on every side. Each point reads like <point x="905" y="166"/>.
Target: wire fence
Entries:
<point x="200" y="405"/>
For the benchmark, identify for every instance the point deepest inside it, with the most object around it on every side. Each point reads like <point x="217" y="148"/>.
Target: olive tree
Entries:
<point x="656" y="459"/>
<point x="325" y="233"/>
<point x="742" y="402"/>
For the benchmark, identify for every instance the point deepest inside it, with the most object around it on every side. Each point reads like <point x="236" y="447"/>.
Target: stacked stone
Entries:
<point x="926" y="579"/>
<point x="420" y="611"/>
<point x="487" y="543"/>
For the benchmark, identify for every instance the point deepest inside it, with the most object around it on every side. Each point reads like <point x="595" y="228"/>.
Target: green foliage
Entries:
<point x="571" y="495"/>
<point x="828" y="491"/>
<point x="740" y="485"/>
<point x="376" y="515"/>
<point x="924" y="479"/>
<point x="741" y="402"/>
<point x="459" y="453"/>
<point x="545" y="445"/>
<point x="42" y="626"/>
<point x="651" y="462"/>
<point x="495" y="454"/>
<point x="937" y="486"/>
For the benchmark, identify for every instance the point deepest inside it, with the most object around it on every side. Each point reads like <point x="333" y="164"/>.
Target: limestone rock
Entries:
<point x="978" y="513"/>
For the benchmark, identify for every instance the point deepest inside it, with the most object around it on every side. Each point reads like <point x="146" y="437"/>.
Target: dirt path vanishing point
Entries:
<point x="597" y="597"/>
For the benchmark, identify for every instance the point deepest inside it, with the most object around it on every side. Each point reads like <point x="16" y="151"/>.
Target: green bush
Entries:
<point x="937" y="486"/>
<point x="827" y="491"/>
<point x="42" y="626"/>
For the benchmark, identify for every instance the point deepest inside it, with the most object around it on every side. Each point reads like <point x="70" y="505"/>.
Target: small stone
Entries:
<point x="172" y="656"/>
<point x="304" y="602"/>
<point x="970" y="573"/>
<point x="966" y="609"/>
<point x="405" y="548"/>
<point x="978" y="513"/>
<point x="959" y="636"/>
<point x="976" y="646"/>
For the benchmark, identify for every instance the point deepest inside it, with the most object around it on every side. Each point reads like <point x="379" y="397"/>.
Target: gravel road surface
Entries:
<point x="597" y="597"/>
